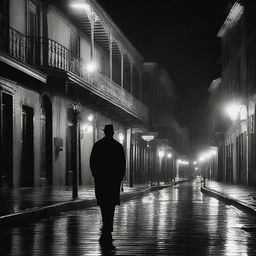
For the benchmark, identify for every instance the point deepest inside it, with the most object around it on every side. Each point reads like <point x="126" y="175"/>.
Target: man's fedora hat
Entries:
<point x="108" y="128"/>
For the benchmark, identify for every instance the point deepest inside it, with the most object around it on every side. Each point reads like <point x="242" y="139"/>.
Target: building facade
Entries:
<point x="66" y="70"/>
<point x="232" y="100"/>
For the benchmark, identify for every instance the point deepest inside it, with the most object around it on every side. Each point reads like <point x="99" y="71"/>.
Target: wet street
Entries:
<point x="177" y="220"/>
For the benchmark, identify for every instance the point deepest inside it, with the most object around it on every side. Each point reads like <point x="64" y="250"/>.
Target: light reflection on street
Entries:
<point x="213" y="213"/>
<point x="174" y="221"/>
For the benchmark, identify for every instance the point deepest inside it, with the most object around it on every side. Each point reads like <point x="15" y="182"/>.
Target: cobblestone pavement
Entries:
<point x="178" y="220"/>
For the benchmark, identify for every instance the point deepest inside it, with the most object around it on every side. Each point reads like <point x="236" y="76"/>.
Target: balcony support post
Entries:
<point x="92" y="40"/>
<point x="122" y="69"/>
<point x="131" y="69"/>
<point x="92" y="18"/>
<point x="140" y="84"/>
<point x="110" y="57"/>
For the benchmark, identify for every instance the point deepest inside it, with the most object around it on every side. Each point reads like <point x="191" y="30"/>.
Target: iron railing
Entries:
<point x="45" y="52"/>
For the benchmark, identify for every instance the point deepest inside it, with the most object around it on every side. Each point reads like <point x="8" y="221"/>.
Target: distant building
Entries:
<point x="159" y="96"/>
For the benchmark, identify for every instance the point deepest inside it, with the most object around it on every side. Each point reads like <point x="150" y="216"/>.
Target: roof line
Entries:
<point x="233" y="17"/>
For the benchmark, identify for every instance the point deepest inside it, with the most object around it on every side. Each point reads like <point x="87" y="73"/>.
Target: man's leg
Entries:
<point x="107" y="213"/>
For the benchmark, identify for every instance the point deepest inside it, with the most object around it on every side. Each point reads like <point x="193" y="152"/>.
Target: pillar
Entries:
<point x="110" y="57"/>
<point x="122" y="69"/>
<point x="131" y="68"/>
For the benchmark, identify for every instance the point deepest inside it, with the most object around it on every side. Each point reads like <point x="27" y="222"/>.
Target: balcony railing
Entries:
<point x="45" y="52"/>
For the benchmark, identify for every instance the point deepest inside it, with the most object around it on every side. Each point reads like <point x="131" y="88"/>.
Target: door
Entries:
<point x="46" y="142"/>
<point x="4" y="24"/>
<point x="7" y="140"/>
<point x="27" y="161"/>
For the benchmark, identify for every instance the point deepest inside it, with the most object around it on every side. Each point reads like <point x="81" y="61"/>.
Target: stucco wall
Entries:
<point x="17" y="18"/>
<point x="59" y="114"/>
<point x="24" y="97"/>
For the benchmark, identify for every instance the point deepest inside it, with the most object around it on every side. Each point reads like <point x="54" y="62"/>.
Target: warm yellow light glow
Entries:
<point x="196" y="168"/>
<point x="195" y="162"/>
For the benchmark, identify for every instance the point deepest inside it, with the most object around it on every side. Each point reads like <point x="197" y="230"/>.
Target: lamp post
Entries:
<point x="201" y="160"/>
<point x="161" y="155"/>
<point x="76" y="112"/>
<point x="169" y="157"/>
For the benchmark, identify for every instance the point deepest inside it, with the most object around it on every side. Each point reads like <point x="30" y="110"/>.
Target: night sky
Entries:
<point x="181" y="36"/>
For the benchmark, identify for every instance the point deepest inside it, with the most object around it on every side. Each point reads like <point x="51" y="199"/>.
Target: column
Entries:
<point x="1" y="139"/>
<point x="140" y="84"/>
<point x="110" y="57"/>
<point x="131" y="68"/>
<point x="128" y="155"/>
<point x="92" y="39"/>
<point x="92" y="18"/>
<point x="122" y="69"/>
<point x="75" y="151"/>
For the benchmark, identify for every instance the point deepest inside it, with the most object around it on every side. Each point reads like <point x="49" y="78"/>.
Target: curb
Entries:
<point x="34" y="214"/>
<point x="229" y="201"/>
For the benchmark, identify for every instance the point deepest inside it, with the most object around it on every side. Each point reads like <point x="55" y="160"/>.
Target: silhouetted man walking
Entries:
<point x="107" y="163"/>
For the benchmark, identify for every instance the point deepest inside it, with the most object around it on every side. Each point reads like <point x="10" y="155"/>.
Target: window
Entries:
<point x="74" y="44"/>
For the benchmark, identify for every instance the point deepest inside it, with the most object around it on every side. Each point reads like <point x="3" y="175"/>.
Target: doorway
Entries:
<point x="27" y="159"/>
<point x="46" y="142"/>
<point x="6" y="140"/>
<point x="70" y="156"/>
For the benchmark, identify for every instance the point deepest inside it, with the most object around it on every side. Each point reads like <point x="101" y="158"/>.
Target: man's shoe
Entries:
<point x="107" y="246"/>
<point x="106" y="236"/>
<point x="105" y="241"/>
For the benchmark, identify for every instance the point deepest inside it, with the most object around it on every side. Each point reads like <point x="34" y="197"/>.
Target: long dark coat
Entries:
<point x="107" y="163"/>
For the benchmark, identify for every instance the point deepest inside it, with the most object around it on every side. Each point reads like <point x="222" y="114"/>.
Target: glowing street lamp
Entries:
<point x="91" y="67"/>
<point x="169" y="155"/>
<point x="90" y="118"/>
<point x="148" y="138"/>
<point x="233" y="110"/>
<point x="80" y="6"/>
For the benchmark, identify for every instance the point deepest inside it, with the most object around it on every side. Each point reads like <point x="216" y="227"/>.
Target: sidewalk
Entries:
<point x="240" y="196"/>
<point x="26" y="204"/>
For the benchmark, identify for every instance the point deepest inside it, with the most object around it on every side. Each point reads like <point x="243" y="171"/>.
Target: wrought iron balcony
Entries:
<point x="44" y="52"/>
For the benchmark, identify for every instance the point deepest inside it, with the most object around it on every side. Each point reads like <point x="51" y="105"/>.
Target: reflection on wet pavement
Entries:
<point x="178" y="220"/>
